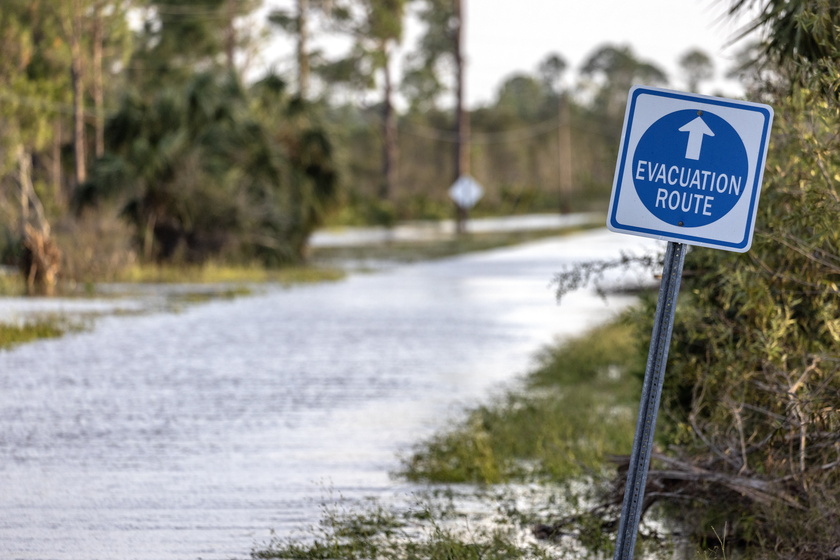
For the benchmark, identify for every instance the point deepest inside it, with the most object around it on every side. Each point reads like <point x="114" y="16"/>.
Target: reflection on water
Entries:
<point x="194" y="435"/>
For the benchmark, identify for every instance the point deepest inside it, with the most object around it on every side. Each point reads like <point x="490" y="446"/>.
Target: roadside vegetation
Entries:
<point x="212" y="273"/>
<point x="749" y="437"/>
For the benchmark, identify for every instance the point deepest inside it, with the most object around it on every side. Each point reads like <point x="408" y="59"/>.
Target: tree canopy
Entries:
<point x="148" y="112"/>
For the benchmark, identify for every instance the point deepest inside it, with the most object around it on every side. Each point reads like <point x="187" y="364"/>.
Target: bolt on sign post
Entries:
<point x="689" y="172"/>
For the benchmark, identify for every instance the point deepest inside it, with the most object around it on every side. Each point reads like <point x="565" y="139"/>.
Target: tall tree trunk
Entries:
<point x="149" y="237"/>
<point x="29" y="199"/>
<point x="76" y="75"/>
<point x="98" y="85"/>
<point x="303" y="47"/>
<point x="389" y="133"/>
<point x="462" y="144"/>
<point x="230" y="37"/>
<point x="41" y="258"/>
<point x="24" y="182"/>
<point x="55" y="172"/>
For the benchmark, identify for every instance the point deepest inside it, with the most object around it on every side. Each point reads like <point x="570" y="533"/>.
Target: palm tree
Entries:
<point x="792" y="29"/>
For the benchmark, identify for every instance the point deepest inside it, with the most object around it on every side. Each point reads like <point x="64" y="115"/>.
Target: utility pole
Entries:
<point x="98" y="82"/>
<point x="230" y="37"/>
<point x="77" y="80"/>
<point x="564" y="143"/>
<point x="462" y="143"/>
<point x="302" y="47"/>
<point x="389" y="141"/>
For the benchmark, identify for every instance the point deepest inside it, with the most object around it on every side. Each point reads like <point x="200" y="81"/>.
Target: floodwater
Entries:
<point x="199" y="434"/>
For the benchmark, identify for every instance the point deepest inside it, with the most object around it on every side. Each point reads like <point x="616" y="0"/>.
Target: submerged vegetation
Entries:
<point x="13" y="334"/>
<point x="433" y="528"/>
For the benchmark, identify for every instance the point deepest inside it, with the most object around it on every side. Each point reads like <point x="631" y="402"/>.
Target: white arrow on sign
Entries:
<point x="696" y="129"/>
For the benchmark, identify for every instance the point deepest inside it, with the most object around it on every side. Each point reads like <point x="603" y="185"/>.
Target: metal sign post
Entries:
<point x="663" y="325"/>
<point x="689" y="171"/>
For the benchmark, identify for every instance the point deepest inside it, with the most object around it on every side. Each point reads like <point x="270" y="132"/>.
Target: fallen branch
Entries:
<point x="681" y="480"/>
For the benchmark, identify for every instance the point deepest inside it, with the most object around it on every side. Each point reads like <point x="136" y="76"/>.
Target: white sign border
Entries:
<point x="732" y="232"/>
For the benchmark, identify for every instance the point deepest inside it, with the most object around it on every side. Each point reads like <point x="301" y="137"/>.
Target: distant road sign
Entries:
<point x="689" y="168"/>
<point x="466" y="192"/>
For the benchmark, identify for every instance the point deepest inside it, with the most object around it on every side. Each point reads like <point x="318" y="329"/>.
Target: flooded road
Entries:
<point x="197" y="434"/>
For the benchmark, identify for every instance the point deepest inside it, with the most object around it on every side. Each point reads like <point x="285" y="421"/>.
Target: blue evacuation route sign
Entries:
<point x="689" y="168"/>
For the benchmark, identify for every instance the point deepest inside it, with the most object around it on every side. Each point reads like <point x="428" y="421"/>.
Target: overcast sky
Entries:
<point x="501" y="40"/>
<point x="508" y="36"/>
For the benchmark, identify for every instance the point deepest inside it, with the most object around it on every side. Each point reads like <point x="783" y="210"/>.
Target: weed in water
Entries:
<point x="12" y="334"/>
<point x="416" y="533"/>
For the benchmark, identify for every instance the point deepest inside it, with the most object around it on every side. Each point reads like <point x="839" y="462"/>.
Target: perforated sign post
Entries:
<point x="689" y="172"/>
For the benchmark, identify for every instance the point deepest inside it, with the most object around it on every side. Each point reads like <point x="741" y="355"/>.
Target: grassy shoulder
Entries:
<point x="576" y="408"/>
<point x="530" y="456"/>
<point x="215" y="273"/>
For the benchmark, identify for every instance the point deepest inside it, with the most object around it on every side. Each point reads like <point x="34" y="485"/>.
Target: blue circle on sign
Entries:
<point x="690" y="168"/>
